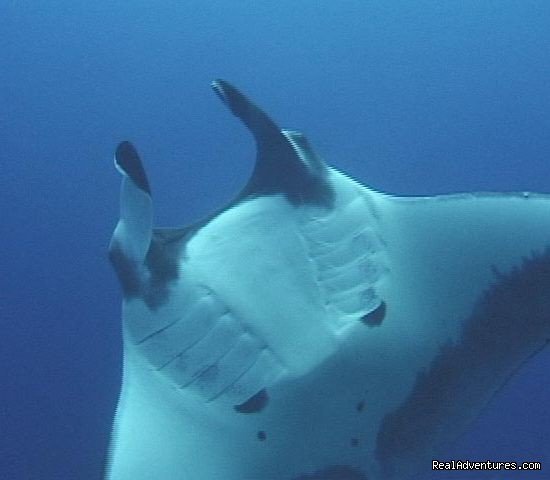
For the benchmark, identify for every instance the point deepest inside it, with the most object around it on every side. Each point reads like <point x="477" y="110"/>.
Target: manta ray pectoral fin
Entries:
<point x="472" y="271"/>
<point x="132" y="235"/>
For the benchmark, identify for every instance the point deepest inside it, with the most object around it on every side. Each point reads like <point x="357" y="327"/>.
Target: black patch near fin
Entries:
<point x="285" y="162"/>
<point x="374" y="318"/>
<point x="128" y="162"/>
<point x="256" y="403"/>
<point x="126" y="270"/>
<point x="161" y="263"/>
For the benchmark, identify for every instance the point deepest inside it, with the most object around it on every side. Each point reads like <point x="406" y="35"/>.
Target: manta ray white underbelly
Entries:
<point x="315" y="328"/>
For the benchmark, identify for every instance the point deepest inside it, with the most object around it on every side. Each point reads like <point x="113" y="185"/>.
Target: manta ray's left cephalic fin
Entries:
<point x="132" y="237"/>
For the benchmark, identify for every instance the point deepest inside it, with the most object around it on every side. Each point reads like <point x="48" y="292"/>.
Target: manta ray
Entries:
<point x="316" y="328"/>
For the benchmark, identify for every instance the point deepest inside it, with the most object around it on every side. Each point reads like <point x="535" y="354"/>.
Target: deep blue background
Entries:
<point x="409" y="97"/>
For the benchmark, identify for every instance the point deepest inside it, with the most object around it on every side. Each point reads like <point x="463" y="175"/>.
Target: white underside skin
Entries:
<point x="271" y="295"/>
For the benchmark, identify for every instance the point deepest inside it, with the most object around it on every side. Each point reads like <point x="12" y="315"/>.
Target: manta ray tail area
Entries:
<point x="285" y="162"/>
<point x="132" y="237"/>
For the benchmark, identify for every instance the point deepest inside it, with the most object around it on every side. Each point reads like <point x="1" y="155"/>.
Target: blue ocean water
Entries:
<point x="416" y="97"/>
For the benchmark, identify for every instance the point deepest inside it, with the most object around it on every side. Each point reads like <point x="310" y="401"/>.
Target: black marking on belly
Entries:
<point x="256" y="403"/>
<point x="334" y="472"/>
<point x="374" y="318"/>
<point x="262" y="436"/>
<point x="354" y="442"/>
<point x="127" y="271"/>
<point x="509" y="324"/>
<point x="149" y="281"/>
<point x="360" y="406"/>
